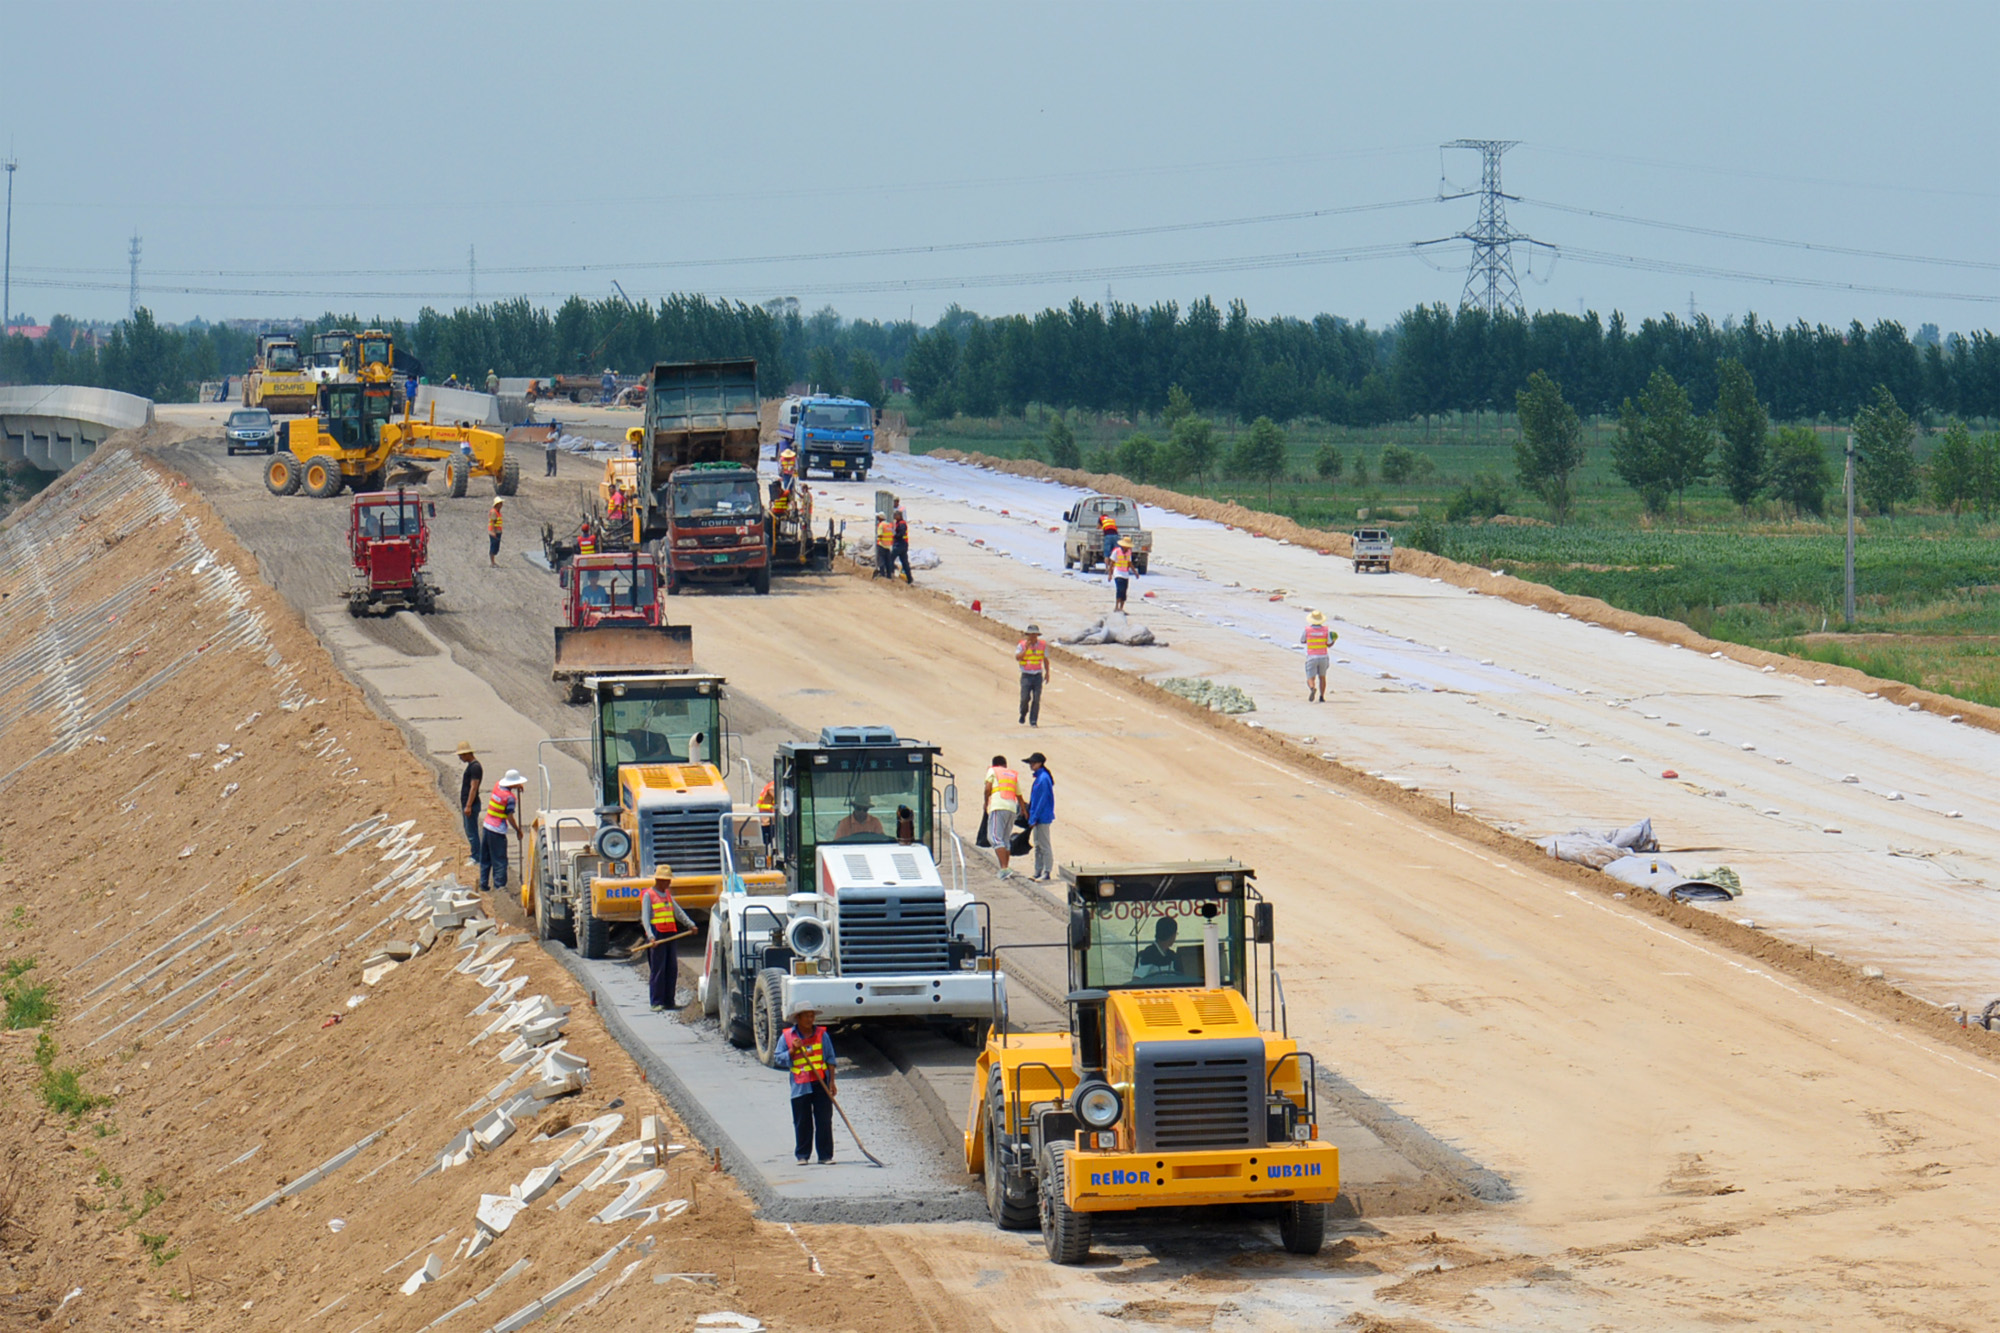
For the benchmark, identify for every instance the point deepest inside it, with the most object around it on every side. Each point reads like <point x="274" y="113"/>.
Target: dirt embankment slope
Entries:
<point x="1520" y="591"/>
<point x="182" y="776"/>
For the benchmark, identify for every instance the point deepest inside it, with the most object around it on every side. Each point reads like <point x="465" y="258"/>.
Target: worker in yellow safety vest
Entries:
<point x="1107" y="529"/>
<point x="586" y="541"/>
<point x="1120" y="569"/>
<point x="1031" y="654"/>
<point x="1002" y="801"/>
<point x="807" y="1051"/>
<point x="786" y="485"/>
<point x="493" y="525"/>
<point x="885" y="547"/>
<point x="663" y="920"/>
<point x="1318" y="641"/>
<point x="503" y="811"/>
<point x="767" y="805"/>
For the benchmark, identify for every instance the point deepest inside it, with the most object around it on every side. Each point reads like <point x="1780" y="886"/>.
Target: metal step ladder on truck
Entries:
<point x="1166" y="1091"/>
<point x="696" y="498"/>
<point x="864" y="927"/>
<point x="657" y="753"/>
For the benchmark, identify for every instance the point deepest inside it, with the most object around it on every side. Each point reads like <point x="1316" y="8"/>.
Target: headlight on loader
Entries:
<point x="613" y="843"/>
<point x="1097" y="1104"/>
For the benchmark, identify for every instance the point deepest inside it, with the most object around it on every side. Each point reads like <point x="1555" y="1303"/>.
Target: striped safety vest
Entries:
<point x="1121" y="563"/>
<point x="1106" y="523"/>
<point x="1006" y="788"/>
<point x="885" y="533"/>
<point x="1318" y="639"/>
<point x="586" y="544"/>
<point x="493" y="523"/>
<point x="808" y="1055"/>
<point x="658" y="907"/>
<point x="499" y="805"/>
<point x="1033" y="655"/>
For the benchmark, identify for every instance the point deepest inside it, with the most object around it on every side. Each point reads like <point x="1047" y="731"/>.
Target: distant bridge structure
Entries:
<point x="57" y="426"/>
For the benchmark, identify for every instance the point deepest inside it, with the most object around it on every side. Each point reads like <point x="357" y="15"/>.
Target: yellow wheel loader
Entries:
<point x="1167" y="1090"/>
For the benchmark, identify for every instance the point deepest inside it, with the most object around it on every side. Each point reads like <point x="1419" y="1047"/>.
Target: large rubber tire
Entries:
<point x="322" y="479"/>
<point x="357" y="605"/>
<point x="767" y="1020"/>
<point x="283" y="473"/>
<point x="762" y="583"/>
<point x="1139" y="565"/>
<point x="547" y="927"/>
<point x="1065" y="1232"/>
<point x="509" y="479"/>
<point x="457" y="472"/>
<point x="1010" y="1196"/>
<point x="593" y="932"/>
<point x="1302" y="1227"/>
<point x="735" y="1022"/>
<point x="372" y="481"/>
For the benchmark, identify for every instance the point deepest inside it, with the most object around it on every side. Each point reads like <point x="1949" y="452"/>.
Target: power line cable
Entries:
<point x="1721" y="234"/>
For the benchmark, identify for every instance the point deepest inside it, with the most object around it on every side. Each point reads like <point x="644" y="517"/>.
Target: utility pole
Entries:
<point x="132" y="291"/>
<point x="1490" y="284"/>
<point x="7" y="283"/>
<point x="472" y="275"/>
<point x="1850" y="530"/>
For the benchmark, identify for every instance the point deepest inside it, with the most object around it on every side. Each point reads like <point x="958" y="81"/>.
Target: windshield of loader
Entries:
<point x="1138" y="942"/>
<point x="716" y="497"/>
<point x="656" y="730"/>
<point x="855" y="797"/>
<point x="374" y="351"/>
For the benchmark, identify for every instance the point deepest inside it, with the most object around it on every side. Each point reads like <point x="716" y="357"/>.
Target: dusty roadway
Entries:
<point x="1693" y="1139"/>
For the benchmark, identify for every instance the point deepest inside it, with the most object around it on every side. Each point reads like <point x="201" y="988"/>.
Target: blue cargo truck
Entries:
<point x="834" y="435"/>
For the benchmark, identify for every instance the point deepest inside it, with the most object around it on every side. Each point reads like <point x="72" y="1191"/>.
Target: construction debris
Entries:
<point x="1216" y="698"/>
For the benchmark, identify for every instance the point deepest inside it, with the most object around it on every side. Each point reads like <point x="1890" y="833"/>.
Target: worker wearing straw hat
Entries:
<point x="468" y="797"/>
<point x="1318" y="641"/>
<point x="1031" y="654"/>
<point x="1120" y="571"/>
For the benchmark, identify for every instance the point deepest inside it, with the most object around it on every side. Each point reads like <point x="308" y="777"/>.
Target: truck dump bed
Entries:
<point x="700" y="412"/>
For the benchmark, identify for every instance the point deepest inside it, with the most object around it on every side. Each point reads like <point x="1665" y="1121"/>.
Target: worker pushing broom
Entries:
<point x="808" y="1053"/>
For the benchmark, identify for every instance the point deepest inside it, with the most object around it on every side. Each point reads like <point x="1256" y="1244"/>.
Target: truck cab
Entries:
<point x="834" y="435"/>
<point x="657" y="746"/>
<point x="865" y="926"/>
<point x="1176" y="1085"/>
<point x="1083" y="538"/>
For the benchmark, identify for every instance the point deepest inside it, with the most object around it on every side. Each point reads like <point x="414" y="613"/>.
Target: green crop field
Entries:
<point x="1927" y="584"/>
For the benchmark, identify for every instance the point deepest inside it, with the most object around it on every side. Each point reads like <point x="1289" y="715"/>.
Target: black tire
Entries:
<point x="767" y="1020"/>
<point x="230" y="450"/>
<point x="357" y="605"/>
<point x="1010" y="1195"/>
<point x="321" y="478"/>
<point x="282" y="473"/>
<point x="372" y="481"/>
<point x="735" y="1022"/>
<point x="1139" y="565"/>
<point x="762" y="583"/>
<point x="457" y="472"/>
<point x="1302" y="1227"/>
<point x="1065" y="1232"/>
<point x="593" y="933"/>
<point x="1069" y="561"/>
<point x="547" y="926"/>
<point x="509" y="480"/>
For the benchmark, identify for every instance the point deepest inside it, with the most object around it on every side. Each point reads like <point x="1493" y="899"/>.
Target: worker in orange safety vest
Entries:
<point x="1002" y="800"/>
<point x="767" y="805"/>
<point x="786" y="485"/>
<point x="586" y="541"/>
<point x="1107" y="528"/>
<point x="663" y="920"/>
<point x="493" y="526"/>
<point x="1031" y="654"/>
<point x="1318" y="641"/>
<point x="807" y="1051"/>
<point x="885" y="546"/>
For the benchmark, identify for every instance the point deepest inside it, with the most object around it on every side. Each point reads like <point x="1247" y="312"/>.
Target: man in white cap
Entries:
<point x="503" y="811"/>
<point x="1031" y="654"/>
<point x="1318" y="640"/>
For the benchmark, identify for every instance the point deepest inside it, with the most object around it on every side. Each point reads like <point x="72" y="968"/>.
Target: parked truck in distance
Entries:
<point x="697" y="495"/>
<point x="1372" y="549"/>
<point x="835" y="435"/>
<point x="1083" y="538"/>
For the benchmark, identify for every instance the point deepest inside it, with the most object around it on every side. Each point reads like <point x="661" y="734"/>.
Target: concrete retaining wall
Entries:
<point x="453" y="405"/>
<point x="57" y="426"/>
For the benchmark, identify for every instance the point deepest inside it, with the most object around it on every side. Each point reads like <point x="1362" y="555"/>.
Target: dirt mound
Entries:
<point x="207" y="835"/>
<point x="1538" y="595"/>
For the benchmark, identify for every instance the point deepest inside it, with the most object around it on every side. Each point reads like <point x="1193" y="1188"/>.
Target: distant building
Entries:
<point x="32" y="332"/>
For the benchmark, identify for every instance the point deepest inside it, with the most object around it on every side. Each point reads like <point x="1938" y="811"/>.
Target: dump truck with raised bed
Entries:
<point x="1170" y="1088"/>
<point x="388" y="539"/>
<point x="863" y="926"/>
<point x="657" y="747"/>
<point x="612" y="623"/>
<point x="1083" y="537"/>
<point x="697" y="498"/>
<point x="278" y="380"/>
<point x="356" y="437"/>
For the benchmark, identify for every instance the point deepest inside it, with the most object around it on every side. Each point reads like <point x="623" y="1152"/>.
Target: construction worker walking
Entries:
<point x="885" y="547"/>
<point x="1031" y="654"/>
<point x="503" y="811"/>
<point x="807" y="1051"/>
<point x="899" y="546"/>
<point x="1119" y="568"/>
<point x="664" y="921"/>
<point x="494" y="523"/>
<point x="1318" y="640"/>
<point x="1001" y="800"/>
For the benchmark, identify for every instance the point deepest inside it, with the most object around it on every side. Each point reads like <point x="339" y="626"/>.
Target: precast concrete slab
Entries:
<point x="455" y="405"/>
<point x="57" y="426"/>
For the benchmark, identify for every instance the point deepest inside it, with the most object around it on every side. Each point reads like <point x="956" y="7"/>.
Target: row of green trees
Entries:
<point x="138" y="357"/>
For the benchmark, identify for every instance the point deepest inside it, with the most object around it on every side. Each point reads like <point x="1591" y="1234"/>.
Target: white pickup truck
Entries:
<point x="1372" y="549"/>
<point x="1083" y="539"/>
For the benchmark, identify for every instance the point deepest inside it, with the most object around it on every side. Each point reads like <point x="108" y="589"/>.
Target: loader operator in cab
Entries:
<point x="858" y="822"/>
<point x="1158" y="959"/>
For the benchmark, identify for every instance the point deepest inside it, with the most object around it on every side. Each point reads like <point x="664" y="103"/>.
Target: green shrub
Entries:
<point x="1484" y="497"/>
<point x="1401" y="466"/>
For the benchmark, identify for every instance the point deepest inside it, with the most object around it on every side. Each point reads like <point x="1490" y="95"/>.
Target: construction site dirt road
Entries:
<point x="1690" y="1136"/>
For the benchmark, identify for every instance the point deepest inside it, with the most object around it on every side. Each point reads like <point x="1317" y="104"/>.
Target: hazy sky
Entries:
<point x="306" y="157"/>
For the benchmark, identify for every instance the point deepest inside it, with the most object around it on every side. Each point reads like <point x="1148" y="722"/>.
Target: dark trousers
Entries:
<point x="812" y="1124"/>
<point x="1110" y="544"/>
<point x="1031" y="697"/>
<point x="493" y="859"/>
<point x="551" y="462"/>
<point x="885" y="563"/>
<point x="664" y="970"/>
<point x="472" y="835"/>
<point x="900" y="552"/>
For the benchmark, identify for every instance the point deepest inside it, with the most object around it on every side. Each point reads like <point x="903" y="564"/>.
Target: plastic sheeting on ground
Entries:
<point x="1631" y="855"/>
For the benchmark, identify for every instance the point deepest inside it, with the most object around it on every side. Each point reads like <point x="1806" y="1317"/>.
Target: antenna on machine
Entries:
<point x="1490" y="283"/>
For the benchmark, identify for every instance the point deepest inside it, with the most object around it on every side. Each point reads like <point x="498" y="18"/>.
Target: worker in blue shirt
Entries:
<point x="807" y="1051"/>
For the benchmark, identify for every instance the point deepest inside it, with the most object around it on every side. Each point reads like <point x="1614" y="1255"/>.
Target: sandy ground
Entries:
<point x="1694" y="1137"/>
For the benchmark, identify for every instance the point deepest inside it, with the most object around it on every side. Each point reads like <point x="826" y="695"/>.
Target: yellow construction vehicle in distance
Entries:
<point x="356" y="437"/>
<point x="1167" y="1090"/>
<point x="278" y="381"/>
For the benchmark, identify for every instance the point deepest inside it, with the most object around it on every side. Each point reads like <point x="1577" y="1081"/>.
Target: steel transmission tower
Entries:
<point x="7" y="283"/>
<point x="1490" y="283"/>
<point x="132" y="291"/>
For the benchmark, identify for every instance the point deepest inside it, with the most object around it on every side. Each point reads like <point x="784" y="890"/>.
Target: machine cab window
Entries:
<point x="1152" y="933"/>
<point x="650" y="726"/>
